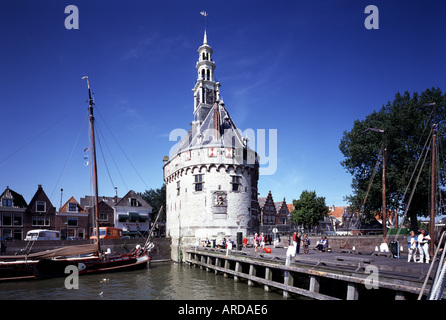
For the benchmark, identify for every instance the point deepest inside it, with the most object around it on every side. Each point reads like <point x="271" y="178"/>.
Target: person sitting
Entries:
<point x="325" y="245"/>
<point x="320" y="244"/>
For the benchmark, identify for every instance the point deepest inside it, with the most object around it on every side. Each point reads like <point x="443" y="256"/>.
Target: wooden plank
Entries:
<point x="358" y="276"/>
<point x="299" y="291"/>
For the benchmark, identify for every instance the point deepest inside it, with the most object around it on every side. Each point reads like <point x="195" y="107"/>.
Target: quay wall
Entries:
<point x="160" y="252"/>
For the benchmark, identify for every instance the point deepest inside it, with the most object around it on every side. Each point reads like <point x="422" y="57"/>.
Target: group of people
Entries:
<point x="418" y="243"/>
<point x="259" y="241"/>
<point x="299" y="239"/>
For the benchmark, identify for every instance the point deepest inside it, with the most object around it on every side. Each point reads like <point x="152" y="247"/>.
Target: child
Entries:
<point x="306" y="244"/>
<point x="412" y="243"/>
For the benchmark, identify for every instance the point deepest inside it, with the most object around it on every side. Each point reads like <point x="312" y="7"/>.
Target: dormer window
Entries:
<point x="40" y="206"/>
<point x="6" y="202"/>
<point x="134" y="202"/>
<point x="72" y="207"/>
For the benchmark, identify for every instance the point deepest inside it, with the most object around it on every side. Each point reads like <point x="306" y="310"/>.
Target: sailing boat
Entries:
<point x="87" y="259"/>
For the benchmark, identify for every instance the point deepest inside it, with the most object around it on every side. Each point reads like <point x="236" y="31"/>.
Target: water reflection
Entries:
<point x="161" y="282"/>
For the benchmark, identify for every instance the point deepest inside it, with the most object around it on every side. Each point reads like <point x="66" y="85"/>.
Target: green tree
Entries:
<point x="156" y="198"/>
<point x="309" y="209"/>
<point x="407" y="124"/>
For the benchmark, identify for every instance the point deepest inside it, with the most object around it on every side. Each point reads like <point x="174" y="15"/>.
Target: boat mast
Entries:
<point x="95" y="168"/>
<point x="433" y="184"/>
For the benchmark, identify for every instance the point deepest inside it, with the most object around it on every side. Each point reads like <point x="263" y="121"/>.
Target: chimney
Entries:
<point x="61" y="196"/>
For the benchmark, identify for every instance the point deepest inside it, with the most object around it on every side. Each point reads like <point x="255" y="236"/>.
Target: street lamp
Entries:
<point x="384" y="206"/>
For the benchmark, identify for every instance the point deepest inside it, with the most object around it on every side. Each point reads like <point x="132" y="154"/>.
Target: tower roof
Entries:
<point x="205" y="135"/>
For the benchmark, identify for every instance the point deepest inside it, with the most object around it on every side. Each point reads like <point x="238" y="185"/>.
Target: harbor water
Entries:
<point x="169" y="281"/>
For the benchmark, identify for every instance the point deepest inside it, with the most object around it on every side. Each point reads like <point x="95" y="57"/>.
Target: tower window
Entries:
<point x="235" y="183"/>
<point x="199" y="182"/>
<point x="178" y="188"/>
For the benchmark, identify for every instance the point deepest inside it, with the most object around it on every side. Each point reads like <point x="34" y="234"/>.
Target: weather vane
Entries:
<point x="204" y="14"/>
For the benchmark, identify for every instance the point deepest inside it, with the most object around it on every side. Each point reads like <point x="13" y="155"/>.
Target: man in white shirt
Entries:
<point x="423" y="246"/>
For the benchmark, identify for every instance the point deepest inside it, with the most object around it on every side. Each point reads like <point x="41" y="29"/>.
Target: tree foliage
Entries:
<point x="309" y="209"/>
<point x="156" y="198"/>
<point x="407" y="122"/>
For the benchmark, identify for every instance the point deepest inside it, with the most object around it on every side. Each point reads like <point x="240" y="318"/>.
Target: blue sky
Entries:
<point x="305" y="68"/>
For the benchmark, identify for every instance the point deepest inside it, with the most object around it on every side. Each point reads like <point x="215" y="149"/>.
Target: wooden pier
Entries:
<point x="327" y="276"/>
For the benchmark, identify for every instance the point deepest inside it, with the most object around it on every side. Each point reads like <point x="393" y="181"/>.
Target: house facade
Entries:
<point x="267" y="209"/>
<point x="132" y="214"/>
<point x="282" y="212"/>
<point x="40" y="213"/>
<point x="12" y="210"/>
<point x="72" y="220"/>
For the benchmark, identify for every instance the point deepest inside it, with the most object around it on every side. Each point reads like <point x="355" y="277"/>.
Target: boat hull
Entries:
<point x="52" y="268"/>
<point x="17" y="270"/>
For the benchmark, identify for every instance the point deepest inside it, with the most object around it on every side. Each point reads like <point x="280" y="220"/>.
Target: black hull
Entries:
<point x="17" y="271"/>
<point x="48" y="268"/>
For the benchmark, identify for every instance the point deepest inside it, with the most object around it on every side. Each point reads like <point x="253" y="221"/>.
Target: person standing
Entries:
<point x="423" y="246"/>
<point x="256" y="241"/>
<point x="306" y="243"/>
<point x="295" y="239"/>
<point x="412" y="243"/>
<point x="298" y="240"/>
<point x="262" y="241"/>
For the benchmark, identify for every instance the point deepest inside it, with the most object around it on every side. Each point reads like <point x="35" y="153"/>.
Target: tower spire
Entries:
<point x="205" y="39"/>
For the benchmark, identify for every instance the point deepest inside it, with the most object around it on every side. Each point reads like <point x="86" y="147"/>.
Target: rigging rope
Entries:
<point x="117" y="143"/>
<point x="40" y="134"/>
<point x="113" y="159"/>
<point x="69" y="157"/>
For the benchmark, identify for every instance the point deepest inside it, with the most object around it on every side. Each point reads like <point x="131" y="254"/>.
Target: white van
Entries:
<point x="42" y="234"/>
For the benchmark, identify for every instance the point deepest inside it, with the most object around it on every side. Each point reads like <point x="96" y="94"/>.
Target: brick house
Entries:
<point x="12" y="209"/>
<point x="282" y="212"/>
<point x="40" y="213"/>
<point x="106" y="215"/>
<point x="267" y="210"/>
<point x="72" y="220"/>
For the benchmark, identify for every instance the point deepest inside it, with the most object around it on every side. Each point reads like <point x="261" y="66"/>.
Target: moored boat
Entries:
<point x="88" y="259"/>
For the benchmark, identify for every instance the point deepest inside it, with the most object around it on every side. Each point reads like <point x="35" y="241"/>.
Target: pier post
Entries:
<point x="352" y="291"/>
<point x="202" y="260"/>
<point x="252" y="272"/>
<point x="217" y="264"/>
<point x="400" y="296"/>
<point x="226" y="267"/>
<point x="314" y="284"/>
<point x="268" y="277"/>
<point x="287" y="279"/>
<point x="238" y="268"/>
<point x="209" y="261"/>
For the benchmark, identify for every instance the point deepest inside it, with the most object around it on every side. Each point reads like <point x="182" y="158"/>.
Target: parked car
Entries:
<point x="42" y="234"/>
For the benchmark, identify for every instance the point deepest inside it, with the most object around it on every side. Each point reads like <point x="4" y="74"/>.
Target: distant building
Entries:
<point x="12" y="209"/>
<point x="132" y="214"/>
<point x="282" y="212"/>
<point x="267" y="210"/>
